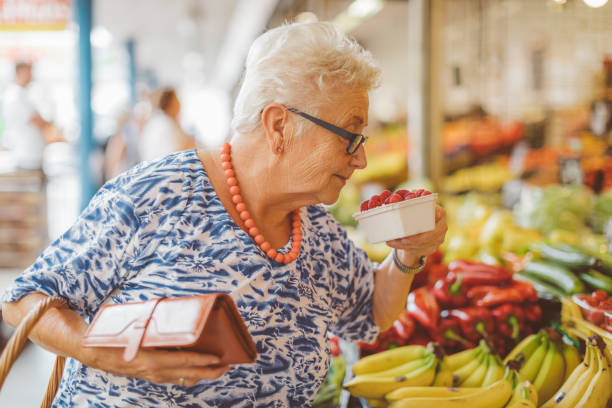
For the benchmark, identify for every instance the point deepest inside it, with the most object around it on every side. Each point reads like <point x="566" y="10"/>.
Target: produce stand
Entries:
<point x="23" y="217"/>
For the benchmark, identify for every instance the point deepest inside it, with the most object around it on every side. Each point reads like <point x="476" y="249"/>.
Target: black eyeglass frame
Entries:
<point x="345" y="134"/>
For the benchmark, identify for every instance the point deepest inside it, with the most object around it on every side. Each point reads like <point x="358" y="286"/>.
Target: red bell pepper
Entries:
<point x="532" y="312"/>
<point x="334" y="345"/>
<point x="475" y="273"/>
<point x="488" y="295"/>
<point x="448" y="334"/>
<point x="475" y="322"/>
<point x="422" y="306"/>
<point x="404" y="326"/>
<point x="509" y="320"/>
<point x="450" y="293"/>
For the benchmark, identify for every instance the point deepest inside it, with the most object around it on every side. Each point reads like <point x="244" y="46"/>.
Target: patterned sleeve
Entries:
<point x="354" y="289"/>
<point x="82" y="264"/>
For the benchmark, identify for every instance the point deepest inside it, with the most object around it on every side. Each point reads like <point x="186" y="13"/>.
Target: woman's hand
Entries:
<point x="410" y="249"/>
<point x="157" y="366"/>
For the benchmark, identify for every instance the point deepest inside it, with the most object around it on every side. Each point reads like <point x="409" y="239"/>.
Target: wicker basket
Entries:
<point x="18" y="340"/>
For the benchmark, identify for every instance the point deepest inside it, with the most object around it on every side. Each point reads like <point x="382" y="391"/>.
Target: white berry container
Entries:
<point x="398" y="220"/>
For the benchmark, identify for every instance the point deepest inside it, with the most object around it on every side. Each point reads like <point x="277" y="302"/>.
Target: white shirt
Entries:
<point x="22" y="137"/>
<point x="161" y="135"/>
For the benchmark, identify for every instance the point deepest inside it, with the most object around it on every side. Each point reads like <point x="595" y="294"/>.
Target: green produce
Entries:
<point x="565" y="255"/>
<point x="541" y="286"/>
<point x="329" y="393"/>
<point x="597" y="280"/>
<point x="556" y="275"/>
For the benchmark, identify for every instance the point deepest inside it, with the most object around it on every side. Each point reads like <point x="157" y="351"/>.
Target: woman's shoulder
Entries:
<point x="153" y="181"/>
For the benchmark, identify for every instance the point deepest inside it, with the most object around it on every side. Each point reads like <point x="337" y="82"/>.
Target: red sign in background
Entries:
<point x="21" y="15"/>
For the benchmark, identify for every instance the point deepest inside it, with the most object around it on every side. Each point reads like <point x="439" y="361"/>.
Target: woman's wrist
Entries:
<point x="406" y="258"/>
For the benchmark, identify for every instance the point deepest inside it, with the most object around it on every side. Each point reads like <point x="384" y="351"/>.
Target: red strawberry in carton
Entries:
<point x="391" y="215"/>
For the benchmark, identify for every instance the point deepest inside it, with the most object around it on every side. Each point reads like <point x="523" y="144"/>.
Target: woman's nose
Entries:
<point x="358" y="159"/>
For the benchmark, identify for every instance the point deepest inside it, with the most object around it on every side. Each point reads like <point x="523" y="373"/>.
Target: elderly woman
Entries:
<point x="245" y="219"/>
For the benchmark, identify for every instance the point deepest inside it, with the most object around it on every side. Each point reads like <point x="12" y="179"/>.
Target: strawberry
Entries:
<point x="402" y="192"/>
<point x="426" y="193"/>
<point x="384" y="195"/>
<point x="375" y="201"/>
<point x="409" y="195"/>
<point x="419" y="192"/>
<point x="395" y="198"/>
<point x="365" y="205"/>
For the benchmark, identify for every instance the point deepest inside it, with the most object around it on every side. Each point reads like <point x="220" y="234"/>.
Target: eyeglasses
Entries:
<point x="355" y="139"/>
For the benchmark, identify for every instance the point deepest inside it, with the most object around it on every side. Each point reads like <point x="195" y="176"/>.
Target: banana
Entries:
<point x="368" y="386"/>
<point x="415" y="392"/>
<point x="551" y="374"/>
<point x="401" y="369"/>
<point x="388" y="359"/>
<point x="444" y="376"/>
<point x="598" y="392"/>
<point x="495" y="371"/>
<point x="477" y="377"/>
<point x="523" y="391"/>
<point x="522" y="404"/>
<point x="377" y="403"/>
<point x="532" y="365"/>
<point x="462" y="373"/>
<point x="571" y="357"/>
<point x="458" y="360"/>
<point x="526" y="347"/>
<point x="494" y="396"/>
<point x="576" y="384"/>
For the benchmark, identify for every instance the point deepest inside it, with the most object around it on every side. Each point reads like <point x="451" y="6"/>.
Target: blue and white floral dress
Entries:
<point x="160" y="230"/>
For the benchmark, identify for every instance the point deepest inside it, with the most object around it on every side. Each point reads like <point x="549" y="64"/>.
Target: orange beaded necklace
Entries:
<point x="296" y="243"/>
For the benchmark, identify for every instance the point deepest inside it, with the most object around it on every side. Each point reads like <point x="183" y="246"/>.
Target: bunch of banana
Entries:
<point x="509" y="391"/>
<point x="589" y="384"/>
<point x="545" y="363"/>
<point x="408" y="366"/>
<point x="477" y="367"/>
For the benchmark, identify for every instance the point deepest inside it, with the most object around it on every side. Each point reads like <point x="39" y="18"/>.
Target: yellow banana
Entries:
<point x="532" y="365"/>
<point x="400" y="370"/>
<point x="462" y="373"/>
<point x="477" y="377"/>
<point x="571" y="357"/>
<point x="388" y="359"/>
<point x="495" y="371"/>
<point x="573" y="388"/>
<point x="368" y="386"/>
<point x="523" y="391"/>
<point x="598" y="392"/>
<point x="444" y="376"/>
<point x="377" y="403"/>
<point x="458" y="360"/>
<point x="494" y="396"/>
<point x="550" y="376"/>
<point x="415" y="392"/>
<point x="526" y="347"/>
<point x="522" y="404"/>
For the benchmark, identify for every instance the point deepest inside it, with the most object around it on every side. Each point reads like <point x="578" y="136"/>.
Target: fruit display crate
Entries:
<point x="23" y="218"/>
<point x="573" y="322"/>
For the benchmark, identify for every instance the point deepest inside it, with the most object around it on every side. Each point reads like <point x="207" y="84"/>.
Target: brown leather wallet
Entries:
<point x="205" y="323"/>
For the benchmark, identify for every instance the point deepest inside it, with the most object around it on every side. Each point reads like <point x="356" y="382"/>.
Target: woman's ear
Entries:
<point x="274" y="121"/>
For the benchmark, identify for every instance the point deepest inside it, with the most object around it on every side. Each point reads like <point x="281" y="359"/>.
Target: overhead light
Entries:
<point x="100" y="37"/>
<point x="356" y="13"/>
<point x="364" y="8"/>
<point x="595" y="3"/>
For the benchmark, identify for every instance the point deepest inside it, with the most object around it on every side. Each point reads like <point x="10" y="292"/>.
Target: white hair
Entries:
<point x="299" y="64"/>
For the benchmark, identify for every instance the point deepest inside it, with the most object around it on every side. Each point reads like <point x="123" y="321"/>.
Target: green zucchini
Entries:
<point x="597" y="280"/>
<point x="556" y="275"/>
<point x="541" y="286"/>
<point x="565" y="255"/>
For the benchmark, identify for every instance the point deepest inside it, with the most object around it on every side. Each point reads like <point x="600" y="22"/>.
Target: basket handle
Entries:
<point x="18" y="340"/>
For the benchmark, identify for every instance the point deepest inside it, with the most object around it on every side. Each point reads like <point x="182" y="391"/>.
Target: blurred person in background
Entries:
<point x="247" y="219"/>
<point x="122" y="151"/>
<point x="162" y="133"/>
<point x="26" y="132"/>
